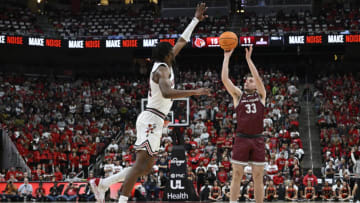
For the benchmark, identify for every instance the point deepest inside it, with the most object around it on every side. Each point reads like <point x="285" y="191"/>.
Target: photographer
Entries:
<point x="40" y="193"/>
<point x="70" y="193"/>
<point x="10" y="192"/>
<point x="55" y="192"/>
<point x="152" y="189"/>
<point x="88" y="195"/>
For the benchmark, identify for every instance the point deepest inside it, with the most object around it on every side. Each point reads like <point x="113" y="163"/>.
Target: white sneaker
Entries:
<point x="98" y="189"/>
<point x="121" y="200"/>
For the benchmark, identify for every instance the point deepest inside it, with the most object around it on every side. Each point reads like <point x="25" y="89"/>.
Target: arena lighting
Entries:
<point x="103" y="3"/>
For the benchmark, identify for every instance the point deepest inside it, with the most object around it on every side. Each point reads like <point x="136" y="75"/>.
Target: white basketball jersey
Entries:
<point x="155" y="98"/>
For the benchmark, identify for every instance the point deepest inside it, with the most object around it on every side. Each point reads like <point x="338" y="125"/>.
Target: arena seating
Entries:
<point x="18" y="21"/>
<point x="128" y="22"/>
<point x="338" y="110"/>
<point x="328" y="21"/>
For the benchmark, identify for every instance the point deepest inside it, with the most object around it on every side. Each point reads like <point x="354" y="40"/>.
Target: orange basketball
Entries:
<point x="228" y="41"/>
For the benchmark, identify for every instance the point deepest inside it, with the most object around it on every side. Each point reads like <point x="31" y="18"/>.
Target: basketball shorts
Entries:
<point x="148" y="132"/>
<point x="248" y="151"/>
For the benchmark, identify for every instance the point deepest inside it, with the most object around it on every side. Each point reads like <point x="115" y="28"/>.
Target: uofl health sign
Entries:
<point x="178" y="187"/>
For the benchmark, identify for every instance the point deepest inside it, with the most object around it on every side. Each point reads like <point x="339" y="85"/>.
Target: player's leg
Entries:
<point x="149" y="128"/>
<point x="239" y="159"/>
<point x="257" y="160"/>
<point x="238" y="172"/>
<point x="143" y="165"/>
<point x="258" y="176"/>
<point x="119" y="177"/>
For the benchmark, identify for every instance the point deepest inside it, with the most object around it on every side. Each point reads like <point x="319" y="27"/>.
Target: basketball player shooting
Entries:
<point x="150" y="122"/>
<point x="249" y="146"/>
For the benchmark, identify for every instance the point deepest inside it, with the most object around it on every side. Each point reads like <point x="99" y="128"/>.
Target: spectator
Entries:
<point x="85" y="162"/>
<point x="280" y="162"/>
<point x="204" y="136"/>
<point x="118" y="167"/>
<point x="355" y="161"/>
<point x="201" y="175"/>
<point x="249" y="195"/>
<point x="11" y="172"/>
<point x="345" y="192"/>
<point x="213" y="167"/>
<point x="278" y="179"/>
<point x="163" y="164"/>
<point x="291" y="192"/>
<point x="309" y="192"/>
<point x="19" y="175"/>
<point x="215" y="192"/>
<point x="26" y="190"/>
<point x="40" y="193"/>
<point x="2" y="178"/>
<point x="113" y="145"/>
<point x="330" y="170"/>
<point x="270" y="192"/>
<point x="55" y="192"/>
<point x="162" y="182"/>
<point x="222" y="175"/>
<point x="74" y="163"/>
<point x="310" y="177"/>
<point x="109" y="167"/>
<point x="336" y="188"/>
<point x="72" y="178"/>
<point x="205" y="191"/>
<point x="58" y="175"/>
<point x="271" y="169"/>
<point x="226" y="191"/>
<point x="152" y="189"/>
<point x="327" y="192"/>
<point x="12" y="178"/>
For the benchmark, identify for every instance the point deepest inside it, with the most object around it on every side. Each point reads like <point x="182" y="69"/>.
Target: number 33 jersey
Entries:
<point x="250" y="114"/>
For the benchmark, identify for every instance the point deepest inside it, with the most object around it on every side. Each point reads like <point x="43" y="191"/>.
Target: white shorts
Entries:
<point x="148" y="132"/>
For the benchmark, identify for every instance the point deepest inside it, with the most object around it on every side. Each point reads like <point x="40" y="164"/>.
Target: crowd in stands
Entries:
<point x="329" y="20"/>
<point x="18" y="21"/>
<point x="59" y="126"/>
<point x="138" y="21"/>
<point x="129" y="22"/>
<point x="336" y="101"/>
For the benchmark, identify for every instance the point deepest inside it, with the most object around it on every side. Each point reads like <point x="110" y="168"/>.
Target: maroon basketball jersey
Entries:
<point x="250" y="114"/>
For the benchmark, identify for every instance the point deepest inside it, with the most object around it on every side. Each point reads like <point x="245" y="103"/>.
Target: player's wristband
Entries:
<point x="189" y="29"/>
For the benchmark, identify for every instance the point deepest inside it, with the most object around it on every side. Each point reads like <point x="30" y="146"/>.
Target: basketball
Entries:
<point x="228" y="41"/>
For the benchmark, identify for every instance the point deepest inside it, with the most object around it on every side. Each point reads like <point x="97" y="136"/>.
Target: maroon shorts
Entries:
<point x="248" y="151"/>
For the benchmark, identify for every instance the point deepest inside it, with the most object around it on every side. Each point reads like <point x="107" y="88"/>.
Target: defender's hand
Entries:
<point x="200" y="10"/>
<point x="203" y="91"/>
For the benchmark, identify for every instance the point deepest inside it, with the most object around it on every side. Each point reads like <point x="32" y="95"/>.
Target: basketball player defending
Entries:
<point x="249" y="146"/>
<point x="150" y="122"/>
